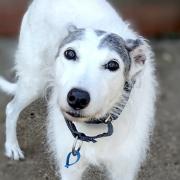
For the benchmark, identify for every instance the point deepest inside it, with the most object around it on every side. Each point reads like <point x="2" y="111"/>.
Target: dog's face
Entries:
<point x="90" y="72"/>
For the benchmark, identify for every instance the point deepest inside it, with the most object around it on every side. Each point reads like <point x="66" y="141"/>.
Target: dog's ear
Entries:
<point x="137" y="52"/>
<point x="72" y="28"/>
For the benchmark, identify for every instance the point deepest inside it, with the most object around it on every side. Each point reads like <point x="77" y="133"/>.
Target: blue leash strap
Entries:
<point x="77" y="154"/>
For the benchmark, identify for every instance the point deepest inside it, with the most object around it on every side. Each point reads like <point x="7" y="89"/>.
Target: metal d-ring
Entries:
<point x="76" y="149"/>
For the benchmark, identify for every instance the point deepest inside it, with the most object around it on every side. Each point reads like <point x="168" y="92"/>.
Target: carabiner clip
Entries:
<point x="75" y="147"/>
<point x="75" y="152"/>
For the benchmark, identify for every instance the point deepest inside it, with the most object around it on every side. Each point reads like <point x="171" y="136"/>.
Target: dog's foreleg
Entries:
<point x="24" y="95"/>
<point x="118" y="173"/>
<point x="124" y="167"/>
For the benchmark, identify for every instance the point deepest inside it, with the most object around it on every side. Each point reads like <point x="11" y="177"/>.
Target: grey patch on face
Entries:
<point x="100" y="32"/>
<point x="75" y="35"/>
<point x="117" y="44"/>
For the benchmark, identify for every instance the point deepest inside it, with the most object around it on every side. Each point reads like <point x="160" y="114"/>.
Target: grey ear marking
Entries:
<point x="72" y="28"/>
<point x="138" y="54"/>
<point x="140" y="58"/>
<point x="136" y="49"/>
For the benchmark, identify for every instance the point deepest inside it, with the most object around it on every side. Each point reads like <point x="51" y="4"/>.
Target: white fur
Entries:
<point x="43" y="28"/>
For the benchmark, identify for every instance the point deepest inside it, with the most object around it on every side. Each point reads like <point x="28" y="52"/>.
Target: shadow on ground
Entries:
<point x="163" y="160"/>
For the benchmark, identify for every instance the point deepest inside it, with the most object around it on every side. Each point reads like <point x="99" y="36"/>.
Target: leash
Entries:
<point x="82" y="137"/>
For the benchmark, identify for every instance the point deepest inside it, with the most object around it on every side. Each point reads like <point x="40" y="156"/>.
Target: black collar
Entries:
<point x="108" y="119"/>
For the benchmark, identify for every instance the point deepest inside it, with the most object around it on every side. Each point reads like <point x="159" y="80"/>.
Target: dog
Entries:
<point x="100" y="74"/>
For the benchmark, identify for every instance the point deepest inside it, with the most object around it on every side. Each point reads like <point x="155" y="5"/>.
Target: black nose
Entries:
<point x="78" y="99"/>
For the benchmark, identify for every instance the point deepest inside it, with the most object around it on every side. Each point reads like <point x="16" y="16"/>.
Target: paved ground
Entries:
<point x="164" y="159"/>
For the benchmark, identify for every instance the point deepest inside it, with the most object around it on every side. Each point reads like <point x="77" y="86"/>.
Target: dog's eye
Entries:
<point x="70" y="54"/>
<point x="112" y="65"/>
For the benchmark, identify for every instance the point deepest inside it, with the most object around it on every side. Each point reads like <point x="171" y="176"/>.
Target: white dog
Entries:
<point x="93" y="63"/>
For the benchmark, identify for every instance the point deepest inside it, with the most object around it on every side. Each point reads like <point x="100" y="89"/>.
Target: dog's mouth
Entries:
<point x="82" y="116"/>
<point x="76" y="114"/>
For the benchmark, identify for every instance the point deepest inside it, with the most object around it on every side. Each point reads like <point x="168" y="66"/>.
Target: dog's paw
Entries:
<point x="13" y="151"/>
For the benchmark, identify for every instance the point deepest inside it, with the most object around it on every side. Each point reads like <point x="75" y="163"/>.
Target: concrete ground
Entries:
<point x="164" y="158"/>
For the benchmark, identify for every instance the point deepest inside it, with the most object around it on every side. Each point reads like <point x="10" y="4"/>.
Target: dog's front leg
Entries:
<point x="124" y="167"/>
<point x="24" y="95"/>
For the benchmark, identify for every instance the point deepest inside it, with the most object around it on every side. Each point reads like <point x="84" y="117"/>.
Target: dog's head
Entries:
<point x="91" y="69"/>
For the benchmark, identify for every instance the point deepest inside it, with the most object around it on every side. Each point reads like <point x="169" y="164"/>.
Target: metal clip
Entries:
<point x="108" y="119"/>
<point x="75" y="147"/>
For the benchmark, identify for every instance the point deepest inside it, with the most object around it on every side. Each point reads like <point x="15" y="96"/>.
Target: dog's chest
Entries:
<point x="95" y="153"/>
